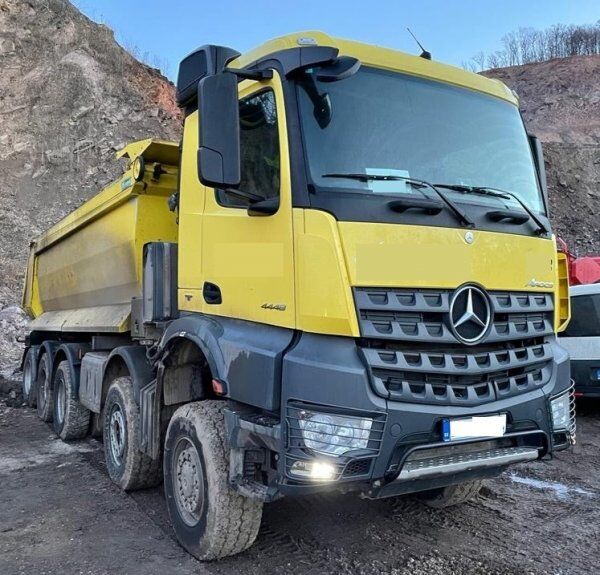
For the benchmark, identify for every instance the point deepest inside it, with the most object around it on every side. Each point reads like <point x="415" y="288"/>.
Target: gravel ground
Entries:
<point x="59" y="513"/>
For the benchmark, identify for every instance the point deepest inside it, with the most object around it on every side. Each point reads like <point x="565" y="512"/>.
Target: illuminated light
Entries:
<point x="315" y="470"/>
<point x="218" y="387"/>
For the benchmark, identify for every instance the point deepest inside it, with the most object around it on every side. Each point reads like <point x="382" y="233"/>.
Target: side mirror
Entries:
<point x="538" y="158"/>
<point x="219" y="131"/>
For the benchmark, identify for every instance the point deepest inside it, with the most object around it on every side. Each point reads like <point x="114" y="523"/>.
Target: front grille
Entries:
<point x="413" y="356"/>
<point x="409" y="315"/>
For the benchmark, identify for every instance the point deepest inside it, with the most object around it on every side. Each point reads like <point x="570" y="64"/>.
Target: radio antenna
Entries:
<point x="424" y="53"/>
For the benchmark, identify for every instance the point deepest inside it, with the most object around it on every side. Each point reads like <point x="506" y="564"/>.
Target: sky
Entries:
<point x="452" y="30"/>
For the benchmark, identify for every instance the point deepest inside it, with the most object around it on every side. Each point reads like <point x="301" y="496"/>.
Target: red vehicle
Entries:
<point x="585" y="270"/>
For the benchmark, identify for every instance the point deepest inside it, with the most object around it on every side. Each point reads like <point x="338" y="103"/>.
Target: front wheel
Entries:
<point x="452" y="494"/>
<point x="210" y="519"/>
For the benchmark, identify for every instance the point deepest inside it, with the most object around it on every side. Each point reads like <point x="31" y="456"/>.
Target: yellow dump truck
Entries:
<point x="342" y="278"/>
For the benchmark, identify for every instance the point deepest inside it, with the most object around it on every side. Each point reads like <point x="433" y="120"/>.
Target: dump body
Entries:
<point x="84" y="271"/>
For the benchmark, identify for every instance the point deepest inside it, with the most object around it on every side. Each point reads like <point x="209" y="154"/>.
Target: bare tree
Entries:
<point x="527" y="45"/>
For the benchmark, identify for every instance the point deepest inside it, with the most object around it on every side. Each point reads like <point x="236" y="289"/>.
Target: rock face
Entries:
<point x="70" y="96"/>
<point x="560" y="100"/>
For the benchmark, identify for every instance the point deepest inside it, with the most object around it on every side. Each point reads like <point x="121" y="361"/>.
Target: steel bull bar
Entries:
<point x="434" y="465"/>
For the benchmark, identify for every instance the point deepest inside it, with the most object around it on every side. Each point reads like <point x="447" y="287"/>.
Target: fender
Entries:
<point x="73" y="353"/>
<point x="35" y="350"/>
<point x="138" y="366"/>
<point x="247" y="356"/>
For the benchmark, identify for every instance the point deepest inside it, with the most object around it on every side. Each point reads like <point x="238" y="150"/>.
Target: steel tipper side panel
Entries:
<point x="83" y="271"/>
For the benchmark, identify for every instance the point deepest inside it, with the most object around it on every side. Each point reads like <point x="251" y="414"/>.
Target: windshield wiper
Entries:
<point x="498" y="193"/>
<point x="464" y="219"/>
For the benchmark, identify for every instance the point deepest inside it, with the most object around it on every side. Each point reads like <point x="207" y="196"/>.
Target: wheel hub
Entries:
<point x="61" y="398"/>
<point x="189" y="480"/>
<point x="117" y="435"/>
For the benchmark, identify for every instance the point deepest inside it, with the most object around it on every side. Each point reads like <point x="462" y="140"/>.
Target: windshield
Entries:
<point x="386" y="123"/>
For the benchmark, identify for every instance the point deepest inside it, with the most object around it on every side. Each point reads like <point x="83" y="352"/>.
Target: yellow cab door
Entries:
<point x="247" y="260"/>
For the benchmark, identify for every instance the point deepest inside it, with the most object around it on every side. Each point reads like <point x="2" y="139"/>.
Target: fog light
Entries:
<point x="334" y="434"/>
<point x="561" y="416"/>
<point x="315" y="470"/>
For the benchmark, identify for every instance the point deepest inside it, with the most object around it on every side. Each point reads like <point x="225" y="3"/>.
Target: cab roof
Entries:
<point x="382" y="58"/>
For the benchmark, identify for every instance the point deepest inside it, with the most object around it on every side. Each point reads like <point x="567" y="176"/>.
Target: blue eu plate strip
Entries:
<point x="445" y="430"/>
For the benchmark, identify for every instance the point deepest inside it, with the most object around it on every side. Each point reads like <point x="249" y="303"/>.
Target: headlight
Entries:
<point x="561" y="416"/>
<point x="334" y="434"/>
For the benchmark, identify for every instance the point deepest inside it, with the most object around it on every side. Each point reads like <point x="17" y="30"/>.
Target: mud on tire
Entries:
<point x="452" y="494"/>
<point x="210" y="519"/>
<point x="29" y="387"/>
<point x="44" y="388"/>
<point x="71" y="419"/>
<point x="127" y="466"/>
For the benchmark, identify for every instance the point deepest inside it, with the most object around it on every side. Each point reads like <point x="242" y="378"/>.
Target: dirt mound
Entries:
<point x="70" y="96"/>
<point x="560" y="101"/>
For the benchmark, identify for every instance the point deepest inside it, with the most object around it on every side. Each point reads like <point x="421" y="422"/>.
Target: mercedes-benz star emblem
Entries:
<point x="470" y="314"/>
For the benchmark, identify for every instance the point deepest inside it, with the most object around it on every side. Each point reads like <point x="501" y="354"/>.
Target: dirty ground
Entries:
<point x="59" y="513"/>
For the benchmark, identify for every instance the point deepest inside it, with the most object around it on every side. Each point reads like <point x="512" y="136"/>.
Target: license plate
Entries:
<point x="473" y="427"/>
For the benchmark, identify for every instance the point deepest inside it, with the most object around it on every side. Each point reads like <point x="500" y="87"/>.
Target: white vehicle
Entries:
<point x="582" y="339"/>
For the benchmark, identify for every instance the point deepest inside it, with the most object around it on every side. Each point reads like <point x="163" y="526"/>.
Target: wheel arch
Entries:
<point x="130" y="361"/>
<point x="72" y="353"/>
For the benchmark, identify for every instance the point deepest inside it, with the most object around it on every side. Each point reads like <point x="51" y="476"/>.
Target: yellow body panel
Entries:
<point x="390" y="255"/>
<point x="251" y="259"/>
<point x="333" y="256"/>
<point x="91" y="261"/>
<point x="323" y="294"/>
<point x="386" y="59"/>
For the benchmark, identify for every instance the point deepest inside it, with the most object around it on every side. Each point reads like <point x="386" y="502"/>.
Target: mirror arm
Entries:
<point x="250" y="74"/>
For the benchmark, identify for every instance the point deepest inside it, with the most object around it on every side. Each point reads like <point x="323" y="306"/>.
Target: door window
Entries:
<point x="259" y="150"/>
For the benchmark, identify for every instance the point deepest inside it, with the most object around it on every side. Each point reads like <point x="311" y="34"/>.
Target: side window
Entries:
<point x="259" y="140"/>
<point x="585" y="316"/>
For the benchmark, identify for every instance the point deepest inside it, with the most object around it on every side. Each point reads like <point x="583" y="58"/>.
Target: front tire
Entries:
<point x="210" y="519"/>
<point x="44" y="388"/>
<point x="127" y="466"/>
<point x="452" y="495"/>
<point x="71" y="419"/>
<point x="29" y="388"/>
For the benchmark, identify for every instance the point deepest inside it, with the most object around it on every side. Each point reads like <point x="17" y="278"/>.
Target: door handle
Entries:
<point x="211" y="293"/>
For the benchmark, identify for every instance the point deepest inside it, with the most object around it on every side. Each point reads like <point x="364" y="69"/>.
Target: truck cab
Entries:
<point x="353" y="286"/>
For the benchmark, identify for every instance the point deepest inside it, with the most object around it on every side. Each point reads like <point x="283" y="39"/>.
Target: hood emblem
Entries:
<point x="470" y="314"/>
<point x="469" y="237"/>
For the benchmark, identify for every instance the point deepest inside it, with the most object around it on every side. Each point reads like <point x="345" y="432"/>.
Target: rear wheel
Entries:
<point x="29" y="377"/>
<point x="452" y="494"/>
<point x="127" y="466"/>
<point x="44" y="388"/>
<point x="71" y="419"/>
<point x="210" y="519"/>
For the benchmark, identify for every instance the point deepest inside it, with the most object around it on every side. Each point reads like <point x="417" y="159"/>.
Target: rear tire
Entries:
<point x="71" y="419"/>
<point x="209" y="518"/>
<point x="44" y="388"/>
<point x="29" y="388"/>
<point x="452" y="494"/>
<point x="127" y="466"/>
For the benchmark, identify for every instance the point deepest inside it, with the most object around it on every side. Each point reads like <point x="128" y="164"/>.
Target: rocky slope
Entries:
<point x="70" y="96"/>
<point x="560" y="100"/>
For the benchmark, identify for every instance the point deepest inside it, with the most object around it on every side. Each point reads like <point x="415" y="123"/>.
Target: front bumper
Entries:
<point x="326" y="372"/>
